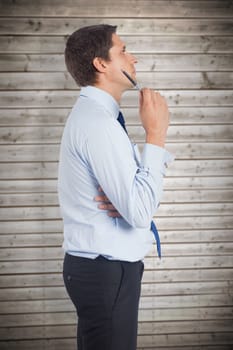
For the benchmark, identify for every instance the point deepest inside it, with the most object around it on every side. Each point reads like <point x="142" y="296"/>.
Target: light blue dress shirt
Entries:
<point x="96" y="151"/>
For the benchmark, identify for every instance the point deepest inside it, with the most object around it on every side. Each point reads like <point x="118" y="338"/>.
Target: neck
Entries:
<point x="112" y="90"/>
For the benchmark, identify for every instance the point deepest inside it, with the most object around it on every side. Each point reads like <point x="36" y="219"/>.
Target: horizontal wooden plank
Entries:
<point x="29" y="170"/>
<point x="32" y="267"/>
<point x="36" y="306"/>
<point x="195" y="182"/>
<point x="200" y="167"/>
<point x="135" y="44"/>
<point x="169" y="326"/>
<point x="168" y="211"/>
<point x="55" y="116"/>
<point x="130" y="8"/>
<point x="163" y="223"/>
<point x="198" y="222"/>
<point x="169" y="197"/>
<point x="153" y="80"/>
<point x="41" y="186"/>
<point x="39" y="280"/>
<point x="186" y="133"/>
<point x="36" y="293"/>
<point x="162" y="62"/>
<point x="50" y="152"/>
<point x="29" y="240"/>
<point x="186" y="339"/>
<point x="53" y="344"/>
<point x="69" y="344"/>
<point x="140" y="26"/>
<point x="189" y="262"/>
<point x="156" y="278"/>
<point x="191" y="339"/>
<point x="65" y="99"/>
<point x="146" y="62"/>
<point x="181" y="249"/>
<point x="203" y="313"/>
<point x="177" y="303"/>
<point x="43" y="170"/>
<point x="196" y="196"/>
<point x="176" y="250"/>
<point x="152" y="262"/>
<point x="28" y="134"/>
<point x="32" y="253"/>
<point x="64" y="331"/>
<point x="48" y="226"/>
<point x="181" y="289"/>
<point x="184" y="327"/>
<point x="173" y="236"/>
<point x="148" y="289"/>
<point x="212" y="235"/>
<point x="200" y="150"/>
<point x="58" y="116"/>
<point x="197" y="249"/>
<point x="176" y="133"/>
<point x="168" y="223"/>
<point x="158" y="315"/>
<point x="29" y="199"/>
<point x="38" y="332"/>
<point x="170" y="183"/>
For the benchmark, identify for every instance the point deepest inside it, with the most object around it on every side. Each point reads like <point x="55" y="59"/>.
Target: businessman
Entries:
<point x="108" y="191"/>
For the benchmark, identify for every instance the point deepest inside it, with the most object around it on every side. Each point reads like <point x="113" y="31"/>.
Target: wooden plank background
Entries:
<point x="184" y="50"/>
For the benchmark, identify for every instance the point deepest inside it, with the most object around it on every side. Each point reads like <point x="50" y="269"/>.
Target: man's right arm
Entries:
<point x="135" y="191"/>
<point x="155" y="119"/>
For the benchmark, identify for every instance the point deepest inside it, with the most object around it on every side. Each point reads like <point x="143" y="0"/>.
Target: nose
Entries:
<point x="133" y="59"/>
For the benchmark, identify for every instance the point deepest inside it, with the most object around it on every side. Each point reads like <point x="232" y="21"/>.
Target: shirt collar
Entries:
<point x="101" y="97"/>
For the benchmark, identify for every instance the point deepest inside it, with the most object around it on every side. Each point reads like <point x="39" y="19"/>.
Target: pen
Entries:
<point x="131" y="80"/>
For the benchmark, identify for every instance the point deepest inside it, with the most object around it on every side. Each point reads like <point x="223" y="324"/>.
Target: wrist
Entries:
<point x="155" y="139"/>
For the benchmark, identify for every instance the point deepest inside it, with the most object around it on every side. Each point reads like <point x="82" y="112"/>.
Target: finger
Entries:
<point x="156" y="95"/>
<point x="102" y="198"/>
<point x="114" y="214"/>
<point x="158" y="99"/>
<point x="106" y="207"/>
<point x="146" y="95"/>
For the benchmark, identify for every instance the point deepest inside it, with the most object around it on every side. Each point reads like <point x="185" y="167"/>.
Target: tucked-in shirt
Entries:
<point x="96" y="151"/>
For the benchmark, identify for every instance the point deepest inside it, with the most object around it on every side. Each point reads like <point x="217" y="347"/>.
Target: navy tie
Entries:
<point x="121" y="120"/>
<point x="153" y="228"/>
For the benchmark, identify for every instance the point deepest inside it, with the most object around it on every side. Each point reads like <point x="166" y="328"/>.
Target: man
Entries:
<point x="106" y="242"/>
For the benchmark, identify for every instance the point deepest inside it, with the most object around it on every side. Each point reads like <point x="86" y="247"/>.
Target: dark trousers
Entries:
<point x="106" y="296"/>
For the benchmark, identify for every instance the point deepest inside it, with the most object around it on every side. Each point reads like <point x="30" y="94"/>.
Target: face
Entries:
<point x="120" y="60"/>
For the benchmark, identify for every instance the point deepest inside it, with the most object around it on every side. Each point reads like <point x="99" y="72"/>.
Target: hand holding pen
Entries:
<point x="154" y="114"/>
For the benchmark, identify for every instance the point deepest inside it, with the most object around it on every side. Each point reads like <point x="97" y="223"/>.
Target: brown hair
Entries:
<point x="83" y="46"/>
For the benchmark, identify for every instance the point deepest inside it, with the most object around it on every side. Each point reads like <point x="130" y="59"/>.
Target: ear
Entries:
<point x="99" y="64"/>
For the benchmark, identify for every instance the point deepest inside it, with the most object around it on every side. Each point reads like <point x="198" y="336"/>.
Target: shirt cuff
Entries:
<point x="156" y="158"/>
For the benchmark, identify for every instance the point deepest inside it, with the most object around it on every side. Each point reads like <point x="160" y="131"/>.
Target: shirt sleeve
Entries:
<point x="134" y="188"/>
